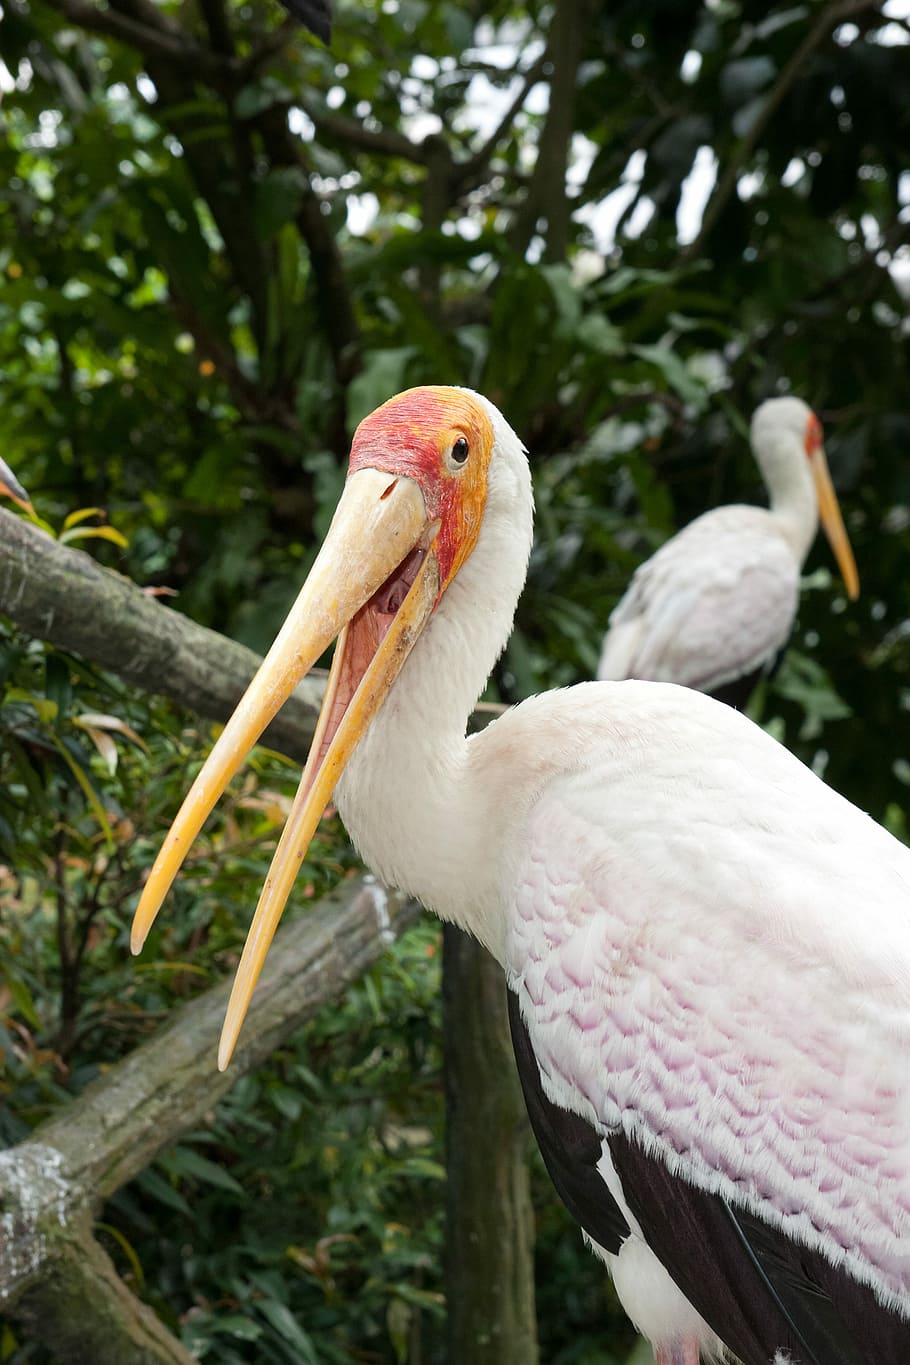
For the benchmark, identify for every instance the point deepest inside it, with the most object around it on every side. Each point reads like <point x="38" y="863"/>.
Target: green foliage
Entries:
<point x="214" y="263"/>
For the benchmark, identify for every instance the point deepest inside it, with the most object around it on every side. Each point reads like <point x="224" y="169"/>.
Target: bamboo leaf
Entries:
<point x="88" y="790"/>
<point x="82" y="514"/>
<point x="95" y="533"/>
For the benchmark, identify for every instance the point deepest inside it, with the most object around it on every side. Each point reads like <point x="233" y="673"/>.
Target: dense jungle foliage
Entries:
<point x="221" y="244"/>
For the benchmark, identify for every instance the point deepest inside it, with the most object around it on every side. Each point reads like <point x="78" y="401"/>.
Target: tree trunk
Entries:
<point x="489" y="1256"/>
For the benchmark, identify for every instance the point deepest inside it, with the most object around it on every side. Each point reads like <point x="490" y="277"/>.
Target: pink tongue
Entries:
<point x="394" y="590"/>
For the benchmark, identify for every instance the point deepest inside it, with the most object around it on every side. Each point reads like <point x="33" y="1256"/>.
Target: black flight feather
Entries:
<point x="761" y="1291"/>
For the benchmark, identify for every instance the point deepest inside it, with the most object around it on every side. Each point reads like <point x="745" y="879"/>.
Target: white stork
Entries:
<point x="715" y="605"/>
<point x="10" y="487"/>
<point x="707" y="950"/>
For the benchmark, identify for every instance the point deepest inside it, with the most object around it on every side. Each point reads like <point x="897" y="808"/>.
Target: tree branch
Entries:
<point x="382" y="141"/>
<point x="52" y="1184"/>
<point x="271" y="45"/>
<point x="219" y="30"/>
<point x="546" y="197"/>
<point x="830" y="19"/>
<point x="479" y="160"/>
<point x="64" y="596"/>
<point x="153" y="41"/>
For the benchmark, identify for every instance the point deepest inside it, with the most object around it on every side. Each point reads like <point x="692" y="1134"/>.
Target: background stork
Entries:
<point x="707" y="950"/>
<point x="713" y="608"/>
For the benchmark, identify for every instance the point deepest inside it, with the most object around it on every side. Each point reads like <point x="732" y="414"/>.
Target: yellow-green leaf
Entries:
<point x="47" y="710"/>
<point x="88" y="790"/>
<point x="95" y="533"/>
<point x="127" y="1249"/>
<point x="82" y="514"/>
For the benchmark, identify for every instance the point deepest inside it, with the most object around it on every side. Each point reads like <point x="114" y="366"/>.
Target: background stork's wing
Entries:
<point x="316" y="15"/>
<point x="717" y="601"/>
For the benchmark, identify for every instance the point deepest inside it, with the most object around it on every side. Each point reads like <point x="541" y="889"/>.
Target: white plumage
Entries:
<point x="707" y="950"/>
<point x="717" y="602"/>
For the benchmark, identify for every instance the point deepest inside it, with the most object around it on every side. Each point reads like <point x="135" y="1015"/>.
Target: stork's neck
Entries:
<point x="794" y="505"/>
<point x="413" y="797"/>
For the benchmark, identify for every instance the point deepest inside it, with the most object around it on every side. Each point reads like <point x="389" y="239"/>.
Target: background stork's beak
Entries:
<point x="378" y="521"/>
<point x="833" y="523"/>
<point x="12" y="488"/>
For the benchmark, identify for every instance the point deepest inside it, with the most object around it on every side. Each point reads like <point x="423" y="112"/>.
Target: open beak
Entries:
<point x="12" y="488"/>
<point x="374" y="585"/>
<point x="833" y="523"/>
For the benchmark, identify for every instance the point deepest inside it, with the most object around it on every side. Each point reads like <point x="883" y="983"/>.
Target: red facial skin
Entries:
<point x="814" y="436"/>
<point x="412" y="435"/>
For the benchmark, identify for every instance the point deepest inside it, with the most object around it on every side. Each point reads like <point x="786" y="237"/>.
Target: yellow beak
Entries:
<point x="378" y="549"/>
<point x="12" y="488"/>
<point x="833" y="523"/>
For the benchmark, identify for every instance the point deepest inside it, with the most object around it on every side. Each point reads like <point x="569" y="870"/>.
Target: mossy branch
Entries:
<point x="52" y="1185"/>
<point x="64" y="596"/>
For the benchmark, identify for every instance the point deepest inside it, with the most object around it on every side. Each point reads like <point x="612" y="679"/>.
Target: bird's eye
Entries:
<point x="460" y="451"/>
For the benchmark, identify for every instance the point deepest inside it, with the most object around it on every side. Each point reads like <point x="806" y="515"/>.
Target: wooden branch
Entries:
<point x="153" y="41"/>
<point x="273" y="43"/>
<point x="382" y="141"/>
<point x="52" y="1184"/>
<point x="64" y="596"/>
<point x="829" y="19"/>
<point x="477" y="163"/>
<point x="546" y="197"/>
<point x="219" y="30"/>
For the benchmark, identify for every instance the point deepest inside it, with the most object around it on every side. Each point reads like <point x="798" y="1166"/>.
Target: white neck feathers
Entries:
<point x="406" y="797"/>
<point x="778" y="443"/>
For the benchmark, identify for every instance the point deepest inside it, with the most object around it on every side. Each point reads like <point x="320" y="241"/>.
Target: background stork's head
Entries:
<point x="788" y="441"/>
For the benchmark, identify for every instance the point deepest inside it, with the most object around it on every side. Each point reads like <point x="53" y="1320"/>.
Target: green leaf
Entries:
<point x="256" y="98"/>
<point x="23" y="1000"/>
<point x="187" y="1162"/>
<point x="282" y="1319"/>
<point x="47" y="710"/>
<point x="673" y="370"/>
<point x="86" y="786"/>
<point x="163" y="1191"/>
<point x="278" y="198"/>
<point x="245" y="1329"/>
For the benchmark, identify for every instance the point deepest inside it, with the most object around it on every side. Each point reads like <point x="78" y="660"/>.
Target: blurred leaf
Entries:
<point x="185" y="1161"/>
<point x="95" y="533"/>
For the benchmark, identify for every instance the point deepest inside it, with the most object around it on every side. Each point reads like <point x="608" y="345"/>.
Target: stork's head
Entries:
<point x="786" y="437"/>
<point x="427" y="469"/>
